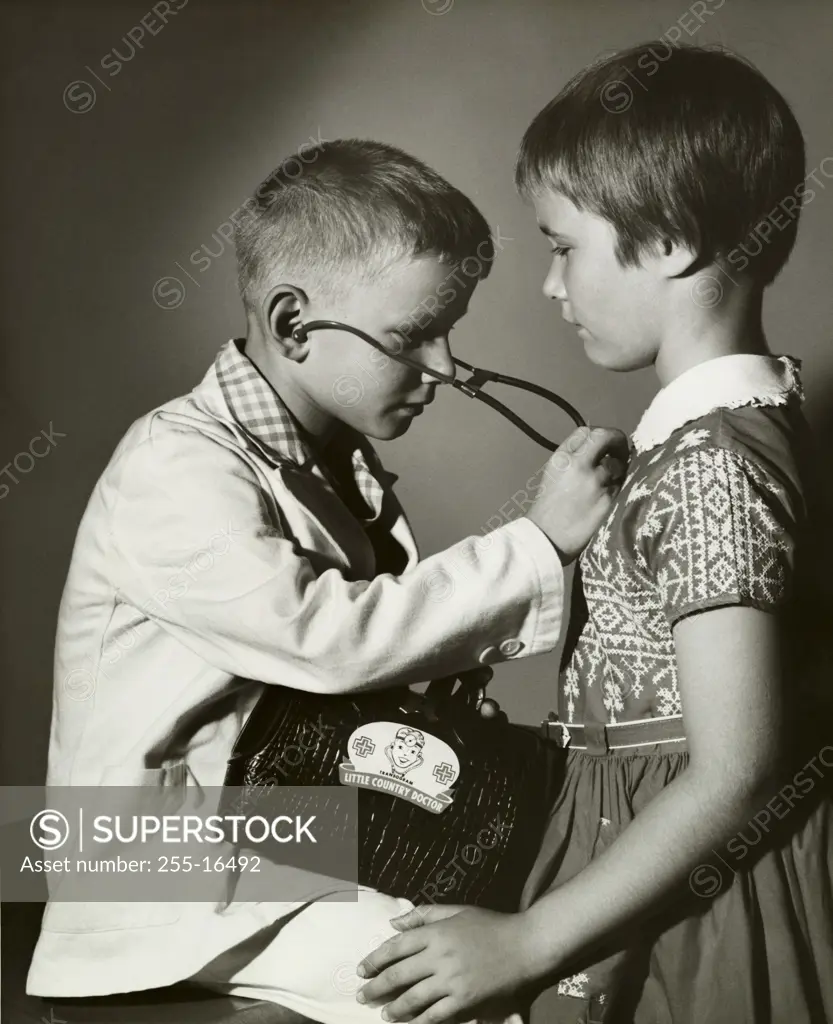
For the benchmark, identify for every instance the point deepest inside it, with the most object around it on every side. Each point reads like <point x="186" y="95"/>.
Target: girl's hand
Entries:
<point x="440" y="970"/>
<point x="430" y="914"/>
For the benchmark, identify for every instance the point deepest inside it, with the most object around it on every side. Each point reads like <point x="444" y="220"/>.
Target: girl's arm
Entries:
<point x="729" y="674"/>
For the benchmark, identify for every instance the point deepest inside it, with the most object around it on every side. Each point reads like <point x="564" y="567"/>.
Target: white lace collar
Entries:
<point x="727" y="382"/>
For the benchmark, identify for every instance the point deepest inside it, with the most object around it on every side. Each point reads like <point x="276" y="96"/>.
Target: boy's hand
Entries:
<point x="579" y="485"/>
<point x="449" y="966"/>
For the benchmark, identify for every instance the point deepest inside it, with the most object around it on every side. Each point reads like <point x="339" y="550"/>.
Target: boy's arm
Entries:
<point x="198" y="551"/>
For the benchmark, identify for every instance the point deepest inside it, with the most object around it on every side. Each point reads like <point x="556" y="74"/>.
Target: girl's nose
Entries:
<point x="554" y="282"/>
<point x="437" y="357"/>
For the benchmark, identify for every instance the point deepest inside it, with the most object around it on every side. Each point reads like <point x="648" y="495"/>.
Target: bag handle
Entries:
<point x="472" y="690"/>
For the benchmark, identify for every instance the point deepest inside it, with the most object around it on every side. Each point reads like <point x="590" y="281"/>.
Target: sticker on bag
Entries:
<point x="405" y="762"/>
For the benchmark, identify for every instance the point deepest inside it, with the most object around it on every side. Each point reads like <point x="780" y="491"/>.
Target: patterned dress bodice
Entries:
<point x="706" y="519"/>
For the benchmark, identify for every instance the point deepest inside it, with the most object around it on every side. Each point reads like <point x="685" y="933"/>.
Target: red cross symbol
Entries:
<point x="363" y="745"/>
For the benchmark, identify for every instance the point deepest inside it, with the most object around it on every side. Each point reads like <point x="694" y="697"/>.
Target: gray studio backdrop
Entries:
<point x="111" y="182"/>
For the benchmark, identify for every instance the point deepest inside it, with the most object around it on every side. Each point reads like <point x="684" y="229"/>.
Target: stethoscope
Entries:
<point x="471" y="387"/>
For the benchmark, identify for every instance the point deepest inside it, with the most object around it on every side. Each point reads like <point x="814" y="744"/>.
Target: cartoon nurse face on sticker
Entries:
<point x="405" y="752"/>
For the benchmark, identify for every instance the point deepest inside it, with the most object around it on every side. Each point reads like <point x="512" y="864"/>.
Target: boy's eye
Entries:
<point x="414" y="339"/>
<point x="406" y="341"/>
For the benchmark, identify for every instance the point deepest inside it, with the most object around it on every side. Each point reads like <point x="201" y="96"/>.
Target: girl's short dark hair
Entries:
<point x="344" y="209"/>
<point x="685" y="143"/>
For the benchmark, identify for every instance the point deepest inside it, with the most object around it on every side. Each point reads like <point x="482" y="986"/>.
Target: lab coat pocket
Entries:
<point x="173" y="775"/>
<point x="126" y="791"/>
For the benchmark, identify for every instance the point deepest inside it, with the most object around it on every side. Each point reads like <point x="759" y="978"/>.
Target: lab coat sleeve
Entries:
<point x="196" y="547"/>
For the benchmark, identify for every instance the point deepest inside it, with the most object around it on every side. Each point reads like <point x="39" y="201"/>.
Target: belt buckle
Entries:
<point x="554" y="729"/>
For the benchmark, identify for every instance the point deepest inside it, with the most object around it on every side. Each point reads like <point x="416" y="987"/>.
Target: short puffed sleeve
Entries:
<point x="717" y="531"/>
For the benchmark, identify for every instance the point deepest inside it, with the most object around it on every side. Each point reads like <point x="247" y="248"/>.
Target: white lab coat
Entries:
<point x="200" y="563"/>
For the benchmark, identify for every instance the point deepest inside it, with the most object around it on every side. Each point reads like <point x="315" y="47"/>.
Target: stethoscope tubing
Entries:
<point x="472" y="387"/>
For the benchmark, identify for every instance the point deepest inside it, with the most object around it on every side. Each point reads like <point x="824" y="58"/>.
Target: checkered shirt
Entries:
<point x="259" y="410"/>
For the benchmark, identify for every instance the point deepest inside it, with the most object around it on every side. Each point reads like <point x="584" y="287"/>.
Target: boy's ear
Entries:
<point x="676" y="259"/>
<point x="284" y="307"/>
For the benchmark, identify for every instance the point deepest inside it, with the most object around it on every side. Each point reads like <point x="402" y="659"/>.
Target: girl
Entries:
<point x="686" y="873"/>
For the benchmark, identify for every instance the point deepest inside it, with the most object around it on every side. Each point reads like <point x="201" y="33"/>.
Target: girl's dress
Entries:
<point x="714" y="512"/>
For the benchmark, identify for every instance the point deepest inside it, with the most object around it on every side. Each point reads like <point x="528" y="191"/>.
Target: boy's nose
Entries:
<point x="437" y="357"/>
<point x="554" y="283"/>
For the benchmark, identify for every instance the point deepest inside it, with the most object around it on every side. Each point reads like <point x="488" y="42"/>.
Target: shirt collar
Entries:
<point x="259" y="410"/>
<point x="728" y="382"/>
<point x="256" y="406"/>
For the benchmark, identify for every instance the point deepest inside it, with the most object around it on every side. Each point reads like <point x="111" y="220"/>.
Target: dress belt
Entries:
<point x="597" y="738"/>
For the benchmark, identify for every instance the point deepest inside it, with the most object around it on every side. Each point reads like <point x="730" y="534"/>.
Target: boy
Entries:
<point x="691" y="700"/>
<point x="248" y="532"/>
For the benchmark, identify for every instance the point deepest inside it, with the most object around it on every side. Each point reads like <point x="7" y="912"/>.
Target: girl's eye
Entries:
<point x="560" y="250"/>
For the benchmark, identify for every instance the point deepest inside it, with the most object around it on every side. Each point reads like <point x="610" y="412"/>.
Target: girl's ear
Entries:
<point x="284" y="308"/>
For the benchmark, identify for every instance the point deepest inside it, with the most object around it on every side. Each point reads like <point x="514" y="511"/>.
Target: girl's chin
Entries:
<point x="597" y="351"/>
<point x="610" y="356"/>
